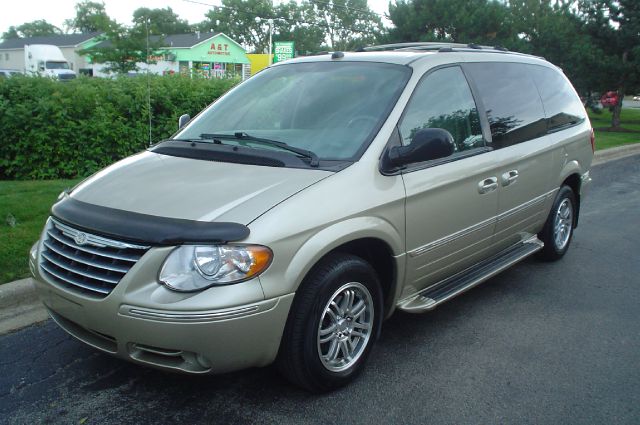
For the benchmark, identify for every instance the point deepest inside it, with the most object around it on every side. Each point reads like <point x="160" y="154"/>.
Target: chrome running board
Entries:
<point x="436" y="294"/>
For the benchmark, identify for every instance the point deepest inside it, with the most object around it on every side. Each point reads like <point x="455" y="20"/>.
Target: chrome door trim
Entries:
<point x="452" y="237"/>
<point x="481" y="225"/>
<point x="528" y="204"/>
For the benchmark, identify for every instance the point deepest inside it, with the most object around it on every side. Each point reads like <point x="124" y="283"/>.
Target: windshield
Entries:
<point x="332" y="109"/>
<point x="57" y="65"/>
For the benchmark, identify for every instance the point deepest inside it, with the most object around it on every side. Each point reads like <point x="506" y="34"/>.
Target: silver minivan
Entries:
<point x="292" y="216"/>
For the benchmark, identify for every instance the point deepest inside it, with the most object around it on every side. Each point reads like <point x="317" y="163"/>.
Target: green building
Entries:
<point x="211" y="55"/>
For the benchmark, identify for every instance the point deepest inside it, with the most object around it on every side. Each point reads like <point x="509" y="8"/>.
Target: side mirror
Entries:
<point x="183" y="120"/>
<point x="426" y="145"/>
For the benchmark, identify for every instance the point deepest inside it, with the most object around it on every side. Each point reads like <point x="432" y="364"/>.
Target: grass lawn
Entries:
<point x="24" y="207"/>
<point x="629" y="119"/>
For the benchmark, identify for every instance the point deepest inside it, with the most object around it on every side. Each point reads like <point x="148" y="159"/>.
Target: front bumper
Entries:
<point x="143" y="322"/>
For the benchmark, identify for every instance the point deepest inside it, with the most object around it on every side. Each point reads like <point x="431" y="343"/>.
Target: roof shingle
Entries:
<point x="64" y="40"/>
<point x="173" y="40"/>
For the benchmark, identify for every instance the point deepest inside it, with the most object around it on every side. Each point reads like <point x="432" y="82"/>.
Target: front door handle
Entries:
<point x="488" y="185"/>
<point x="509" y="177"/>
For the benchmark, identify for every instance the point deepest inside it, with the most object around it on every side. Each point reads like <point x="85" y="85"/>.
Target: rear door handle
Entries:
<point x="509" y="177"/>
<point x="488" y="185"/>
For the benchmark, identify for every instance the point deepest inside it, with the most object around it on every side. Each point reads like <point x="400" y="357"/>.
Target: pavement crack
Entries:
<point x="21" y="386"/>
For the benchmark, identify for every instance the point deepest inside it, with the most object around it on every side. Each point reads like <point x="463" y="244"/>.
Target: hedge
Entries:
<point x="50" y="129"/>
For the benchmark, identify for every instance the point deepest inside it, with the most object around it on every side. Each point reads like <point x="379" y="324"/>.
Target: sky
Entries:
<point x="56" y="11"/>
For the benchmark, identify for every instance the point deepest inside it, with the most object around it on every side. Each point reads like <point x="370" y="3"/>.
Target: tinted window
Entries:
<point x="512" y="102"/>
<point x="562" y="106"/>
<point x="331" y="108"/>
<point x="443" y="100"/>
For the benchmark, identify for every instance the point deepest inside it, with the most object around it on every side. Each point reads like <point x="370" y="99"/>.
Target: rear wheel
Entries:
<point x="334" y="320"/>
<point x="558" y="230"/>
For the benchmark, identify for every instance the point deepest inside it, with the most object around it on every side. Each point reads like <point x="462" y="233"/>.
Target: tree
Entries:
<point x="460" y="21"/>
<point x="161" y="21"/>
<point x="347" y="23"/>
<point x="614" y="26"/>
<point x="555" y="32"/>
<point x="90" y="17"/>
<point x="245" y="21"/>
<point x="32" y="29"/>
<point x="122" y="49"/>
<point x="298" y="26"/>
<point x="342" y="24"/>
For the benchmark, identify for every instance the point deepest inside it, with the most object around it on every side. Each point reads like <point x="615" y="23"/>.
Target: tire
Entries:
<point x="319" y="366"/>
<point x="558" y="229"/>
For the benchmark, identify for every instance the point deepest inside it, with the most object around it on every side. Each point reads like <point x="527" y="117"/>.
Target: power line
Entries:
<point x="355" y="9"/>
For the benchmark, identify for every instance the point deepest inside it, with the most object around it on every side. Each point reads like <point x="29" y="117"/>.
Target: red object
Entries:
<point x="609" y="99"/>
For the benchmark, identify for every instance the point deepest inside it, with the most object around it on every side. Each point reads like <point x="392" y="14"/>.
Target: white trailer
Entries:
<point x="46" y="60"/>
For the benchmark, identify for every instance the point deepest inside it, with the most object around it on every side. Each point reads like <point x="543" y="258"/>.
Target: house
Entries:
<point x="12" y="50"/>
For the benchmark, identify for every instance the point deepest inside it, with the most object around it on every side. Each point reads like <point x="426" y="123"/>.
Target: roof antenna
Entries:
<point x="146" y="24"/>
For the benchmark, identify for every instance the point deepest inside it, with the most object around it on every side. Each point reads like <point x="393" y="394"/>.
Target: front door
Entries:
<point x="451" y="203"/>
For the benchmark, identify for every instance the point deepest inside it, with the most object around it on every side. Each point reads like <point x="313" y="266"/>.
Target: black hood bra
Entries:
<point x="144" y="228"/>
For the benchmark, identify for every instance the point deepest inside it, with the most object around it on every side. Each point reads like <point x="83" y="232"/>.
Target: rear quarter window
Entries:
<point x="511" y="101"/>
<point x="562" y="105"/>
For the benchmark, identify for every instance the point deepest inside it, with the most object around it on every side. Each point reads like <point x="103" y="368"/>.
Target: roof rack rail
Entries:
<point x="441" y="47"/>
<point x="431" y="45"/>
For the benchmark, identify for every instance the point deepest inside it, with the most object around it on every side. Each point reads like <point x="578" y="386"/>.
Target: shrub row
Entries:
<point x="50" y="129"/>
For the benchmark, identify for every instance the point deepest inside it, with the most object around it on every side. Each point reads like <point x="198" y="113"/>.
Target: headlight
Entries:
<point x="195" y="267"/>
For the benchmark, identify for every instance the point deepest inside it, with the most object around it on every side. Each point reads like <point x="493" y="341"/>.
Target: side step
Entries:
<point x="448" y="288"/>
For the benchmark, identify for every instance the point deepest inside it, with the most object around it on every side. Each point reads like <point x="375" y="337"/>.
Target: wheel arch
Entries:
<point x="370" y="238"/>
<point x="574" y="181"/>
<point x="570" y="176"/>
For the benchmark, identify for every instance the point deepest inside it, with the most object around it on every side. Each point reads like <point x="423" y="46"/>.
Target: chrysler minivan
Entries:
<point x="295" y="214"/>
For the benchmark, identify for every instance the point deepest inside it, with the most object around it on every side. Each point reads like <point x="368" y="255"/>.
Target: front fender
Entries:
<point x="326" y="240"/>
<point x="338" y="234"/>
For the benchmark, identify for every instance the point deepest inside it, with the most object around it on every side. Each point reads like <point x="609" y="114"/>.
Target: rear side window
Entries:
<point x="562" y="105"/>
<point x="512" y="102"/>
<point x="443" y="100"/>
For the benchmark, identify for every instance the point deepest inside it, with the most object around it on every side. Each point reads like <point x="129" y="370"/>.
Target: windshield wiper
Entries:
<point x="314" y="161"/>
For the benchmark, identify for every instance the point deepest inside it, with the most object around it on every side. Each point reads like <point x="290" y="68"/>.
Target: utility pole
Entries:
<point x="270" y="21"/>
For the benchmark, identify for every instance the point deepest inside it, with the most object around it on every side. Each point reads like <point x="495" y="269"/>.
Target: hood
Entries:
<point x="192" y="189"/>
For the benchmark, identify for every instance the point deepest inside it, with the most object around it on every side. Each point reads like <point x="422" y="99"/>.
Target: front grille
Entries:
<point x="84" y="262"/>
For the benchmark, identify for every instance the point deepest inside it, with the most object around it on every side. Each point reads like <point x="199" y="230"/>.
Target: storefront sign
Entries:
<point x="283" y="50"/>
<point x="219" y="49"/>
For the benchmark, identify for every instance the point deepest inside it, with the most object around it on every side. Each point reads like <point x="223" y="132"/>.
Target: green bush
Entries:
<point x="50" y="129"/>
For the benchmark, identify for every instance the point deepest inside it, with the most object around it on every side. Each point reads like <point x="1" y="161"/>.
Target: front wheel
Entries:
<point x="334" y="320"/>
<point x="558" y="229"/>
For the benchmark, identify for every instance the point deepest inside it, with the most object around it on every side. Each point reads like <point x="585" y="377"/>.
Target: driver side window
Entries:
<point x="443" y="100"/>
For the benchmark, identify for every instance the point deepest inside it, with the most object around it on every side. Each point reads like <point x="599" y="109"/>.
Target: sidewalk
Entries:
<point x="20" y="306"/>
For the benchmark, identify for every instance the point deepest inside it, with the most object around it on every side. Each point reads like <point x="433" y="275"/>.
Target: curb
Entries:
<point x="619" y="152"/>
<point x="21" y="307"/>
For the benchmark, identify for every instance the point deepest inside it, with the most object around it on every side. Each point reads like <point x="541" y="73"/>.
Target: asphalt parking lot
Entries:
<point x="541" y="343"/>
